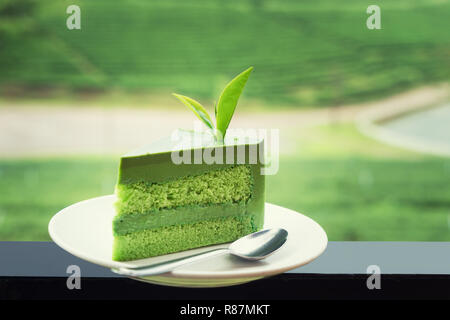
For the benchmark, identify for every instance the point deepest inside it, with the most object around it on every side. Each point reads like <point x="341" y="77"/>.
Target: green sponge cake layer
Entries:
<point x="154" y="242"/>
<point x="164" y="207"/>
<point x="231" y="184"/>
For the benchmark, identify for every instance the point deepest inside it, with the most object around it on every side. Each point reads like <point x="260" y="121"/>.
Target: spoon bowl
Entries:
<point x="259" y="245"/>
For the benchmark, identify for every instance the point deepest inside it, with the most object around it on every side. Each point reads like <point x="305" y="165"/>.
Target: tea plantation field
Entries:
<point x="305" y="53"/>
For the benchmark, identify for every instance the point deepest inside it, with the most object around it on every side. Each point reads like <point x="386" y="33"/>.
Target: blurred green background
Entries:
<point x="307" y="55"/>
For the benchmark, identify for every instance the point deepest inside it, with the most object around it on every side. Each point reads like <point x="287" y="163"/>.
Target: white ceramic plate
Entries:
<point x="85" y="230"/>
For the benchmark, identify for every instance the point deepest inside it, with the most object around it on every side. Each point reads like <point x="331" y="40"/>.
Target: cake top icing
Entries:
<point x="185" y="140"/>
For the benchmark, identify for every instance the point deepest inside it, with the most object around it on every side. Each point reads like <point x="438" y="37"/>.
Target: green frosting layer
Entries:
<point x="154" y="162"/>
<point x="177" y="216"/>
<point x="154" y="242"/>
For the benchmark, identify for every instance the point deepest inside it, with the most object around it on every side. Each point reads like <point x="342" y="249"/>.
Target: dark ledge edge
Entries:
<point x="409" y="270"/>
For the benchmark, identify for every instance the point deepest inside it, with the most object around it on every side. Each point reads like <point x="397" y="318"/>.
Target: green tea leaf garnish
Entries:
<point x="228" y="100"/>
<point x="223" y="109"/>
<point x="197" y="108"/>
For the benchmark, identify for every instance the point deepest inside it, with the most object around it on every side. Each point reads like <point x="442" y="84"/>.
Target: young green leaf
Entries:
<point x="229" y="99"/>
<point x="197" y="108"/>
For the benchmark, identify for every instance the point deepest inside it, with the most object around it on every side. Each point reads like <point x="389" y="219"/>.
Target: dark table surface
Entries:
<point x="38" y="270"/>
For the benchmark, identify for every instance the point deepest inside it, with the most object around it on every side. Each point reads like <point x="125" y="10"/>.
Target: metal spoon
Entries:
<point x="255" y="246"/>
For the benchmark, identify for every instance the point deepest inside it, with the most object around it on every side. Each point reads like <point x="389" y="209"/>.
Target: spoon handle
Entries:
<point x="166" y="266"/>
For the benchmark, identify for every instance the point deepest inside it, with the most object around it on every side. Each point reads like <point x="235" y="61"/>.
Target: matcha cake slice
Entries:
<point x="172" y="196"/>
<point x="164" y="207"/>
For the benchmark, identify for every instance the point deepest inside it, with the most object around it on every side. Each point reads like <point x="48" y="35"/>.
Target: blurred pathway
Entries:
<point x="34" y="130"/>
<point x="431" y="125"/>
<point x="426" y="131"/>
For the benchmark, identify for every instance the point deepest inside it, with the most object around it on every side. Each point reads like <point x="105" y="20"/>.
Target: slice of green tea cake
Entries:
<point x="165" y="207"/>
<point x="174" y="196"/>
